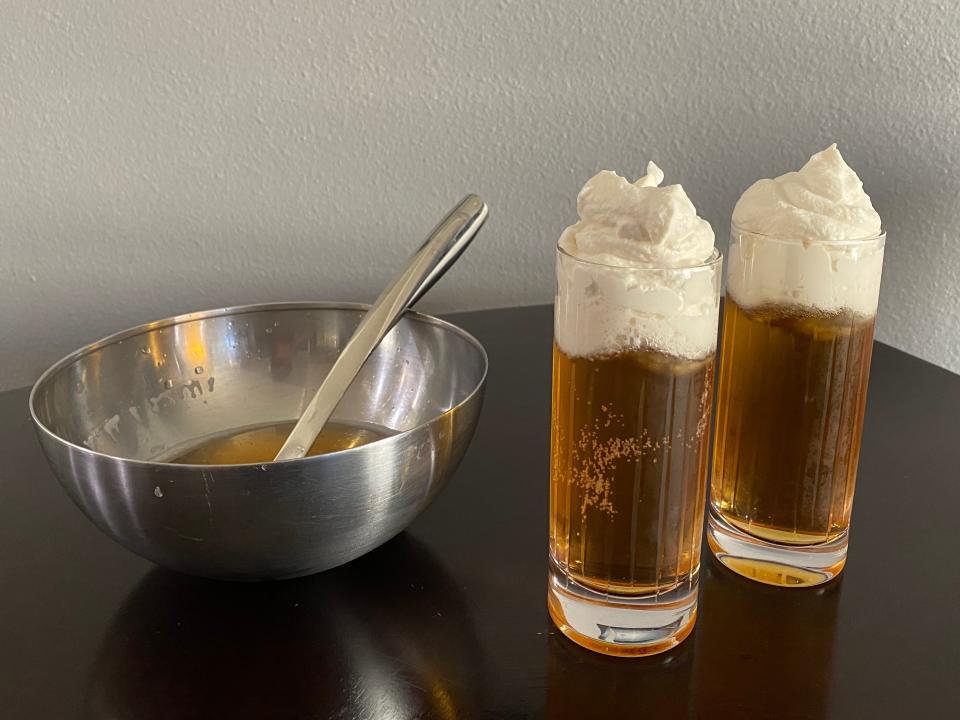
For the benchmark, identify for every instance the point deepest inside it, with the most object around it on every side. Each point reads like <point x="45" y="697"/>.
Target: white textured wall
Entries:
<point x="161" y="157"/>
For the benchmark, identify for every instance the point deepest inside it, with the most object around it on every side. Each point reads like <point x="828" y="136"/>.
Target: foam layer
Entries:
<point x="640" y="282"/>
<point x="821" y="277"/>
<point x="790" y="243"/>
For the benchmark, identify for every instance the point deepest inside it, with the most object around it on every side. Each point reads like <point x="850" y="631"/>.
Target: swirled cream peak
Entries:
<point x="791" y="244"/>
<point x="824" y="200"/>
<point x="639" y="223"/>
<point x="646" y="283"/>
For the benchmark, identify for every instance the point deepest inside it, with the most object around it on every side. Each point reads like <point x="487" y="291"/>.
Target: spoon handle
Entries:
<point x="440" y="250"/>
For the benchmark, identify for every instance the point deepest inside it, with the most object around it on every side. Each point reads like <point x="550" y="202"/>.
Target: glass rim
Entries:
<point x="716" y="257"/>
<point x="850" y="242"/>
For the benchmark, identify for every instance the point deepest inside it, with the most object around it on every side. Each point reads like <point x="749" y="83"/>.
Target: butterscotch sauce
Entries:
<point x="261" y="444"/>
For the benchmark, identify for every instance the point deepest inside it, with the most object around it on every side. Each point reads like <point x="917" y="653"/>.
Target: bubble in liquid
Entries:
<point x="168" y="384"/>
<point x="145" y="350"/>
<point x="198" y="369"/>
<point x="276" y="324"/>
<point x="158" y="492"/>
<point x="269" y="330"/>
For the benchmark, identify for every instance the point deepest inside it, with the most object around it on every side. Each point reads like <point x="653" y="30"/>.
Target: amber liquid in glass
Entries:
<point x="628" y="468"/>
<point x="261" y="444"/>
<point x="790" y="403"/>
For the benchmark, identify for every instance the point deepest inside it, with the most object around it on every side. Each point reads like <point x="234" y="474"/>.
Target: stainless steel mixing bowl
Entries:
<point x="109" y="413"/>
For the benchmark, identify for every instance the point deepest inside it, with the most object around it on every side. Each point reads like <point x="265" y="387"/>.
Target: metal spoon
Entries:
<point x="440" y="250"/>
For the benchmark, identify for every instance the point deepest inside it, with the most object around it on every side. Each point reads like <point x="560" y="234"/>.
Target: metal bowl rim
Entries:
<point x="114" y="338"/>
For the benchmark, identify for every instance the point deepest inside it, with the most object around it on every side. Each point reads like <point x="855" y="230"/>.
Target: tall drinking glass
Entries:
<point x="797" y="339"/>
<point x="633" y="361"/>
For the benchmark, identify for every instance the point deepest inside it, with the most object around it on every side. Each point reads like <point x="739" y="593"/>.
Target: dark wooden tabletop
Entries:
<point x="449" y="619"/>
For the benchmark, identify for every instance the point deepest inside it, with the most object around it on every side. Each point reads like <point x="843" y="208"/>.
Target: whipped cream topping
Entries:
<point x="824" y="200"/>
<point x="792" y="241"/>
<point x="644" y="282"/>
<point x="624" y="223"/>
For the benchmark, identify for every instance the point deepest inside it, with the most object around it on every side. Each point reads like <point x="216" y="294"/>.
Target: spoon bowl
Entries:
<point x="111" y="416"/>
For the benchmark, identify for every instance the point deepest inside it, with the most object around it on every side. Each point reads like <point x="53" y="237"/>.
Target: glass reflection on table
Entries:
<point x="792" y="629"/>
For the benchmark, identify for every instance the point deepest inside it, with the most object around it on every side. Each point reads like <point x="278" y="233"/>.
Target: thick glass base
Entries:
<point x="773" y="563"/>
<point x="621" y="625"/>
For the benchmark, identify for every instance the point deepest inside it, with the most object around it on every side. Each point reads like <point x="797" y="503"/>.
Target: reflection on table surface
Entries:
<point x="385" y="636"/>
<point x="767" y="651"/>
<point x="583" y="684"/>
<point x="716" y="672"/>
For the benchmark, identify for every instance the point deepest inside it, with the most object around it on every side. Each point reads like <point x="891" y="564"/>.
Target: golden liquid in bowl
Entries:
<point x="261" y="444"/>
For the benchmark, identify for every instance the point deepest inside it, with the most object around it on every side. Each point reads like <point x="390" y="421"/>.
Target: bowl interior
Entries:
<point x="154" y="391"/>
